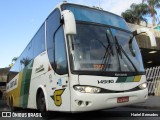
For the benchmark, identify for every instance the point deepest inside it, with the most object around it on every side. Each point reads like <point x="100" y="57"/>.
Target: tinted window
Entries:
<point x="104" y="49"/>
<point x="29" y="53"/>
<point x="24" y="59"/>
<point x="97" y="16"/>
<point x="60" y="53"/>
<point x="35" y="47"/>
<point x="14" y="70"/>
<point x="26" y="56"/>
<point x="53" y="22"/>
<point x="39" y="41"/>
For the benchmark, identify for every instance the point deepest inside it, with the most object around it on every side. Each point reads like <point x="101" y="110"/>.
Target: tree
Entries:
<point x="14" y="59"/>
<point x="25" y="61"/>
<point x="136" y="13"/>
<point x="152" y="6"/>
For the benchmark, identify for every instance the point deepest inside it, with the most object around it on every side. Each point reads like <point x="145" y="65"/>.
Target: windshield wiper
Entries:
<point x="120" y="49"/>
<point x="119" y="53"/>
<point x="107" y="54"/>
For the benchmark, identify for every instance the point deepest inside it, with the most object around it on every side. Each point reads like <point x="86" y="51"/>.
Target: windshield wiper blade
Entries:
<point x="108" y="53"/>
<point x="121" y="49"/>
<point x="119" y="53"/>
<point x="106" y="56"/>
<point x="108" y="50"/>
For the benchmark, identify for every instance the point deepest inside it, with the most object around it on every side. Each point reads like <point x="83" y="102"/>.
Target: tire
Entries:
<point x="1" y="95"/>
<point x="41" y="104"/>
<point x="12" y="108"/>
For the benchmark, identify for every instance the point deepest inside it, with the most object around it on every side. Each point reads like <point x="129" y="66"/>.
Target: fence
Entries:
<point x="153" y="79"/>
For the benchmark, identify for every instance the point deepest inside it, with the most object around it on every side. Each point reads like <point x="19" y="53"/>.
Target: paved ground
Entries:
<point x="152" y="105"/>
<point x="115" y="114"/>
<point x="153" y="102"/>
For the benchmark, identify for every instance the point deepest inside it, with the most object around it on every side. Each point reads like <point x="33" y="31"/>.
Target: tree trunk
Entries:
<point x="154" y="20"/>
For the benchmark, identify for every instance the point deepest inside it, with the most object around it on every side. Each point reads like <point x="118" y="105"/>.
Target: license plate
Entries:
<point x="122" y="99"/>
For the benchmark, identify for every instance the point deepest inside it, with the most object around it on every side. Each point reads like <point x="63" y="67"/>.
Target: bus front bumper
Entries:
<point x="81" y="102"/>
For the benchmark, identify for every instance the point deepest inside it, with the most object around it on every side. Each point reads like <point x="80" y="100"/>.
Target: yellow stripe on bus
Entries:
<point x="19" y="89"/>
<point x="15" y="94"/>
<point x="137" y="78"/>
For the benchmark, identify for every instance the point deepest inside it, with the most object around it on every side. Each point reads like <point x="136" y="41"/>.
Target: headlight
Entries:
<point x="143" y="86"/>
<point x="87" y="89"/>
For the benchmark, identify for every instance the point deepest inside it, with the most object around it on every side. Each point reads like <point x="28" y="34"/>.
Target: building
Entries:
<point x="150" y="54"/>
<point x="151" y="57"/>
<point x="3" y="79"/>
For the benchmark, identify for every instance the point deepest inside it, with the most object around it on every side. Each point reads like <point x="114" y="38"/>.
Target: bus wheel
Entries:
<point x="12" y="108"/>
<point x="41" y="104"/>
<point x="1" y="95"/>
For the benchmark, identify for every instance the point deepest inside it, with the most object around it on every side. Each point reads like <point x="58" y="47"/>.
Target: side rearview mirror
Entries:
<point x="149" y="33"/>
<point x="69" y="22"/>
<point x="139" y="31"/>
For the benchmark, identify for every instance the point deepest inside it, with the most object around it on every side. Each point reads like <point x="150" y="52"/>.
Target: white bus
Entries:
<point x="81" y="59"/>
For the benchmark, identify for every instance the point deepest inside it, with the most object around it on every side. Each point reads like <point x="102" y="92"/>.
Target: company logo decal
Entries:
<point x="39" y="69"/>
<point x="105" y="81"/>
<point x="59" y="82"/>
<point x="57" y="97"/>
<point x="12" y="85"/>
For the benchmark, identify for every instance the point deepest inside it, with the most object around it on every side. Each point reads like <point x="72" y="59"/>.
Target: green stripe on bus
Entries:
<point x="129" y="79"/>
<point x="26" y="77"/>
<point x="121" y="79"/>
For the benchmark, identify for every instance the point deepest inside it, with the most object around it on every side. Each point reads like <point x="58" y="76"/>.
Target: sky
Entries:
<point x="20" y="19"/>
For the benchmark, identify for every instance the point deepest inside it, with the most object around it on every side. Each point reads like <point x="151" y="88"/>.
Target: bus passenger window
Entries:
<point x="39" y="41"/>
<point x="60" y="53"/>
<point x="52" y="24"/>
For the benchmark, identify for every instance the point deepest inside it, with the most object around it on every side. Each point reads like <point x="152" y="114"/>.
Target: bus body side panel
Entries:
<point x="13" y="90"/>
<point x="25" y="85"/>
<point x="40" y="68"/>
<point x="55" y="87"/>
<point x="18" y="88"/>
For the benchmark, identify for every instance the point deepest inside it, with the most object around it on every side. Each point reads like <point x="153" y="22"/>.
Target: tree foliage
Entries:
<point x="14" y="59"/>
<point x="152" y="6"/>
<point x="136" y="13"/>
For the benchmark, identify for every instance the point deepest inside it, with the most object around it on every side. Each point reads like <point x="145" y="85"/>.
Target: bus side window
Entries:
<point x="60" y="53"/>
<point x="39" y="41"/>
<point x="52" y="24"/>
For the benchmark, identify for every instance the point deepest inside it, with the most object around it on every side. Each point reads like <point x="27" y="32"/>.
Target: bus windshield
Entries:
<point x="87" y="14"/>
<point x="102" y="43"/>
<point x="100" y="48"/>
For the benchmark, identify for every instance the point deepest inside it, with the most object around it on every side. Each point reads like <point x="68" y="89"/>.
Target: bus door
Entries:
<point x="62" y="92"/>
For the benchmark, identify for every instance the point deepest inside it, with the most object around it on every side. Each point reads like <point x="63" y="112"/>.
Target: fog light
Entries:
<point x="87" y="103"/>
<point x="80" y="103"/>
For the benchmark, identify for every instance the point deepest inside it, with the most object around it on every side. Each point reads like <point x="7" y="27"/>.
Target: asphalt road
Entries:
<point x="121" y="113"/>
